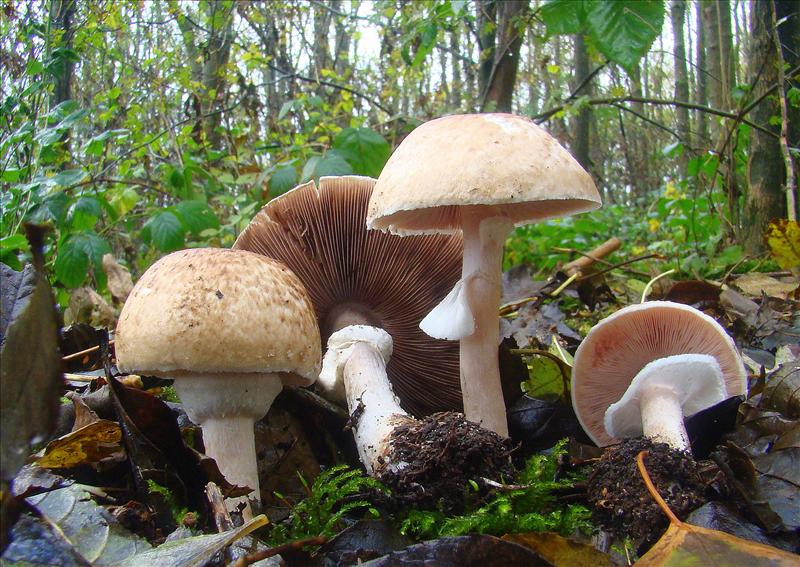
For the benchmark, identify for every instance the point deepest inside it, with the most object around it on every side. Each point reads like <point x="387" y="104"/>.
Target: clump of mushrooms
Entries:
<point x="231" y="328"/>
<point x="647" y="366"/>
<point x="482" y="175"/>
<point x="359" y="277"/>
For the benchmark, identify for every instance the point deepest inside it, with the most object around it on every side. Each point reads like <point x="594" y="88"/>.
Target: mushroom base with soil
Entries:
<point x="423" y="461"/>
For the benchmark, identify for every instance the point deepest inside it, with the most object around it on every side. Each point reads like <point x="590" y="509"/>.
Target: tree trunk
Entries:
<point x="487" y="24"/>
<point x="61" y="13"/>
<point x="701" y="94"/>
<point x="766" y="170"/>
<point x="456" y="85"/>
<point x="719" y="52"/>
<point x="341" y="62"/>
<point x="500" y="90"/>
<point x="582" y="121"/>
<point x="322" y="52"/>
<point x="678" y="13"/>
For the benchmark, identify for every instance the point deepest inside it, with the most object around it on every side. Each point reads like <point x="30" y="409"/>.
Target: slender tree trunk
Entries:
<point x="678" y="14"/>
<point x="486" y="20"/>
<point x="766" y="169"/>
<point x="344" y="33"/>
<point x="322" y="52"/>
<point x="500" y="90"/>
<point x="701" y="95"/>
<point x="719" y="52"/>
<point x="582" y="121"/>
<point x="456" y="85"/>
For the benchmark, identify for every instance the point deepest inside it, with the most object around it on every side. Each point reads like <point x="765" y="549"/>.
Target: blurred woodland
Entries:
<point x="141" y="127"/>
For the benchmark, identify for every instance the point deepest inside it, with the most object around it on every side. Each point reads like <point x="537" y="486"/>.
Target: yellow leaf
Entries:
<point x="88" y="445"/>
<point x="783" y="239"/>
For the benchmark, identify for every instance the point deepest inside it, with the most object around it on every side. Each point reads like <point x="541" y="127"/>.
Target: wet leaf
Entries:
<point x="192" y="551"/>
<point x="782" y="392"/>
<point x="539" y="424"/>
<point x="463" y="550"/>
<point x="693" y="292"/>
<point x="30" y="364"/>
<point x="728" y="518"/>
<point x="783" y="240"/>
<point x="538" y="324"/>
<point x="364" y="540"/>
<point x="685" y="544"/>
<point x="89" y="445"/>
<point x="35" y="542"/>
<point x="93" y="532"/>
<point x="561" y="551"/>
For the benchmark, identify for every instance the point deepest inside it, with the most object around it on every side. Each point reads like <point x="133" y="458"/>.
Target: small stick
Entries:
<point x="222" y="518"/>
<point x="652" y="489"/>
<point x="292" y="545"/>
<point x="615" y="266"/>
<point x="587" y="259"/>
<point x="80" y="353"/>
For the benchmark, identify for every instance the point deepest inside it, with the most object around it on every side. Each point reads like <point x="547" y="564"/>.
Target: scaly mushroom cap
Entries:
<point x="617" y="348"/>
<point x="496" y="161"/>
<point x="356" y="276"/>
<point x="212" y="311"/>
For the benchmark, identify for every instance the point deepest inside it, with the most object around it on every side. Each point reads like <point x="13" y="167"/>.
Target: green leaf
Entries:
<point x="68" y="177"/>
<point x="624" y="31"/>
<point x="331" y="163"/>
<point x="76" y="251"/>
<point x="165" y="231"/>
<point x="563" y="17"/>
<point x="122" y="200"/>
<point x="282" y="180"/>
<point x="364" y="149"/>
<point x="197" y="216"/>
<point x="14" y="242"/>
<point x="84" y="213"/>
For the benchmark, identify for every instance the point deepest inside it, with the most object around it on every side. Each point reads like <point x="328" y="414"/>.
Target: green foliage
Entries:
<point x="336" y="492"/>
<point x="528" y="509"/>
<point x="622" y="31"/>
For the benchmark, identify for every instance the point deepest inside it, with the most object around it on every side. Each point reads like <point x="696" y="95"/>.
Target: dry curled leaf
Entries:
<point x="119" y="282"/>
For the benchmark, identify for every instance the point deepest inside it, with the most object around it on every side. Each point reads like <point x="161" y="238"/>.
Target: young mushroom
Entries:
<point x="482" y="175"/>
<point x="644" y="368"/>
<point x="231" y="328"/>
<point x="360" y="277"/>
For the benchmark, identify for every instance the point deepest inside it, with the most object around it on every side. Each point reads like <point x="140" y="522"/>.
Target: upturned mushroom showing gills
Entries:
<point x="647" y="366"/>
<point x="480" y="175"/>
<point x="230" y="327"/>
<point x="360" y="277"/>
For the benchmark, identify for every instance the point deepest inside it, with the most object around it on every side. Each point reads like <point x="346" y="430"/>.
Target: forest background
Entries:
<point x="139" y="127"/>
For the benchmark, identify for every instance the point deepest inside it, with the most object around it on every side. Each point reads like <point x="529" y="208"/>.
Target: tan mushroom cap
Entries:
<point x="392" y="282"/>
<point x="501" y="161"/>
<point x="617" y="348"/>
<point x="210" y="310"/>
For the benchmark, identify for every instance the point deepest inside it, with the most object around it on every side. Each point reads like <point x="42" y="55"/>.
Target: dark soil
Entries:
<point x="620" y="501"/>
<point x="442" y="453"/>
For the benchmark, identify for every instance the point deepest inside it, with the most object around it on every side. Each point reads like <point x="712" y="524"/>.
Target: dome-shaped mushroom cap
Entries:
<point x="493" y="160"/>
<point x="385" y="280"/>
<point x="210" y="310"/>
<point x="617" y="348"/>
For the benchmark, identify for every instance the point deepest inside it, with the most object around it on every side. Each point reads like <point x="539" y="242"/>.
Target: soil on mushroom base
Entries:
<point x="620" y="501"/>
<point x="441" y="454"/>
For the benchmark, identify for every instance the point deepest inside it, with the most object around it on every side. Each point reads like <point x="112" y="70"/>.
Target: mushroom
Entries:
<point x="354" y="369"/>
<point x="480" y="174"/>
<point x="644" y="368"/>
<point x="356" y="276"/>
<point x="230" y="327"/>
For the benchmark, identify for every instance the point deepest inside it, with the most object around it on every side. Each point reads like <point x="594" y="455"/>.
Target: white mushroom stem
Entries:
<point x="226" y="407"/>
<point x="477" y="294"/>
<point x="662" y="393"/>
<point x="354" y="368"/>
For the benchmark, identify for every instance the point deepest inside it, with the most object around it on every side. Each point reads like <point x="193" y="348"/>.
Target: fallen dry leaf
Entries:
<point x="754" y="284"/>
<point x="561" y="551"/>
<point x="119" y="282"/>
<point x="783" y="239"/>
<point x="88" y="306"/>
<point x="88" y="445"/>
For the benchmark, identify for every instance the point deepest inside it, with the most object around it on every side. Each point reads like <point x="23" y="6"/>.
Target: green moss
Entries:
<point x="176" y="510"/>
<point x="168" y="394"/>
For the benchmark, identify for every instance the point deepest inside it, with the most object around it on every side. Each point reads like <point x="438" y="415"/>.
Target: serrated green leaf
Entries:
<point x="624" y="31"/>
<point x="197" y="216"/>
<point x="282" y="180"/>
<point x="364" y="149"/>
<point x="122" y="200"/>
<point x="563" y="17"/>
<point x="76" y="252"/>
<point x="165" y="231"/>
